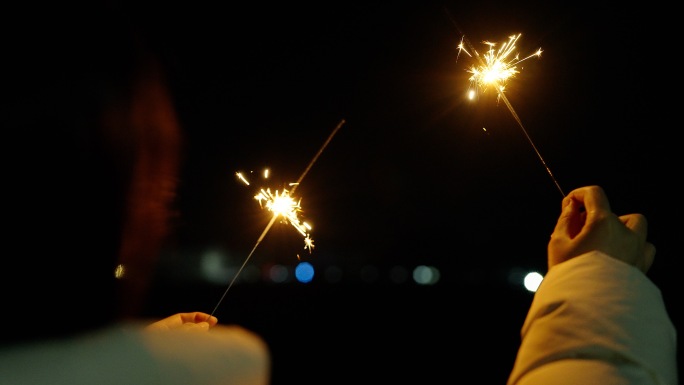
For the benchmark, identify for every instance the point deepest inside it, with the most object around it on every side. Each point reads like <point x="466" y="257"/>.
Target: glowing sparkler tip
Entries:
<point x="283" y="205"/>
<point x="497" y="66"/>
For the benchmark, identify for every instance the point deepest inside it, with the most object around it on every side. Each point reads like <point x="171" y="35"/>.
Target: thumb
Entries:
<point x="571" y="220"/>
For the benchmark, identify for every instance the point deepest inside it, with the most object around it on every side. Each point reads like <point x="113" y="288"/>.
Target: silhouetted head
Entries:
<point x="94" y="149"/>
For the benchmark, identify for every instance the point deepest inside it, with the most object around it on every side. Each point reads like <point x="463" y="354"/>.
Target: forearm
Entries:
<point x="595" y="311"/>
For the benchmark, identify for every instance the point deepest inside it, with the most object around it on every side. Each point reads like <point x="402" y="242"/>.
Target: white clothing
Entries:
<point x="596" y="320"/>
<point x="224" y="355"/>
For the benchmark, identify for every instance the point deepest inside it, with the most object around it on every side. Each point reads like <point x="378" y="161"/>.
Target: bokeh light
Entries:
<point x="304" y="272"/>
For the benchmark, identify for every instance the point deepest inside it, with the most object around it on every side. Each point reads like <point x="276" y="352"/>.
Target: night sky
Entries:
<point x="417" y="172"/>
<point x="417" y="175"/>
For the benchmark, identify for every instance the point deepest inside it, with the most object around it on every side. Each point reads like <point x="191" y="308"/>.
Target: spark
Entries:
<point x="242" y="178"/>
<point x="461" y="48"/>
<point x="496" y="68"/>
<point x="283" y="205"/>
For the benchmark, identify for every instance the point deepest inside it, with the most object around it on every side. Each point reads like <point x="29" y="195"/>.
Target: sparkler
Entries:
<point x="282" y="205"/>
<point x="496" y="67"/>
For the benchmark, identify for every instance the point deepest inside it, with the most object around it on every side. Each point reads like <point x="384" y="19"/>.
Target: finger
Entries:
<point x="637" y="223"/>
<point x="187" y="317"/>
<point x="570" y="221"/>
<point x="592" y="198"/>
<point x="191" y="326"/>
<point x="194" y="317"/>
<point x="204" y="317"/>
<point x="211" y="320"/>
<point x="197" y="317"/>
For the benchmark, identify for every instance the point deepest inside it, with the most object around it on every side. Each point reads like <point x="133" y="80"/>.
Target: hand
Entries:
<point x="586" y="223"/>
<point x="185" y="321"/>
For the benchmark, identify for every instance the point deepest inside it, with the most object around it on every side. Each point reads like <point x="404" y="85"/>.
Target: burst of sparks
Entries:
<point x="282" y="204"/>
<point x="497" y="67"/>
<point x="285" y="206"/>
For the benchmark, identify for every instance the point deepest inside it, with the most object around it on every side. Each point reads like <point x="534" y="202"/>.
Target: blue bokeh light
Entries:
<point x="304" y="272"/>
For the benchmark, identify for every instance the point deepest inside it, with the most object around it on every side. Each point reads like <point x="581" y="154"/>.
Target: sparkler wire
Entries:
<point x="510" y="108"/>
<point x="275" y="215"/>
<point x="517" y="119"/>
<point x="502" y="96"/>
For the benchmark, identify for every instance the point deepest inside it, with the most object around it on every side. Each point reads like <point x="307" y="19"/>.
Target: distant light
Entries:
<point x="278" y="273"/>
<point x="304" y="272"/>
<point x="532" y="281"/>
<point x="213" y="266"/>
<point x="425" y="275"/>
<point x="119" y="271"/>
<point x="516" y="275"/>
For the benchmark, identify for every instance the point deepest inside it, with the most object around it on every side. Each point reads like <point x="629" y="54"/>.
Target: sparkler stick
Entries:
<point x="494" y="70"/>
<point x="276" y="213"/>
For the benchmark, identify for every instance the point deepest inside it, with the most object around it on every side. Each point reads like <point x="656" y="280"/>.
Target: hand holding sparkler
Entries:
<point x="194" y="321"/>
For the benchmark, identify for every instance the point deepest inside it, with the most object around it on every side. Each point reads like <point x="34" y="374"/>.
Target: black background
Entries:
<point x="416" y="175"/>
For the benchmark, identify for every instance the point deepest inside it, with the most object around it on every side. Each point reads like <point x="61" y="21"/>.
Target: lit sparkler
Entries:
<point x="496" y="67"/>
<point x="499" y="66"/>
<point x="283" y="205"/>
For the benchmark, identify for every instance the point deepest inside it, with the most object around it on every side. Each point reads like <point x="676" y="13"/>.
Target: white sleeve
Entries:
<point x="596" y="320"/>
<point x="127" y="354"/>
<point x="224" y="355"/>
